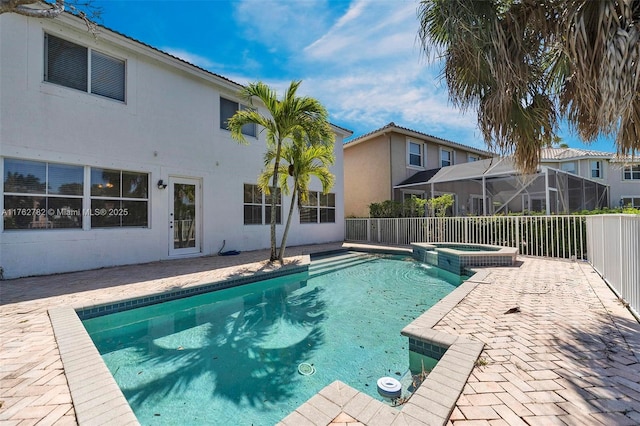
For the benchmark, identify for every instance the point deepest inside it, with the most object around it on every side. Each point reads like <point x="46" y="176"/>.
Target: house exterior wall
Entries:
<point x="366" y="176"/>
<point x="377" y="163"/>
<point x="168" y="127"/>
<point x="618" y="187"/>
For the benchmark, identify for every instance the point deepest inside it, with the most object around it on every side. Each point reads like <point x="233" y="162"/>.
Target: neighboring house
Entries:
<point x="376" y="163"/>
<point x="622" y="177"/>
<point x="113" y="152"/>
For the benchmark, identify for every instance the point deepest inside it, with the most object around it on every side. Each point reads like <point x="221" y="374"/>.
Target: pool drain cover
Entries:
<point x="306" y="369"/>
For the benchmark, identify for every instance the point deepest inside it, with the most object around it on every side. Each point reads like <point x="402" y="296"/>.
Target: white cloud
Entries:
<point x="282" y="25"/>
<point x="368" y="31"/>
<point x="368" y="70"/>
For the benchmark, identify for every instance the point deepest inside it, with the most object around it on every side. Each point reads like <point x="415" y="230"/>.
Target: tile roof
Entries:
<point x="394" y="127"/>
<point x="551" y="154"/>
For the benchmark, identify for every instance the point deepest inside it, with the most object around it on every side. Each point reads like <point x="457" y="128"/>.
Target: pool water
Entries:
<point x="232" y="356"/>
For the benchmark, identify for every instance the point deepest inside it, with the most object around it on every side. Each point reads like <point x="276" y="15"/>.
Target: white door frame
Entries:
<point x="192" y="235"/>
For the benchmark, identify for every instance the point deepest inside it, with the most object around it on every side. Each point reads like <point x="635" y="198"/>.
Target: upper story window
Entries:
<point x="596" y="169"/>
<point x="569" y="167"/>
<point x="415" y="154"/>
<point x="39" y="195"/>
<point x="472" y="158"/>
<point x="228" y="109"/>
<point x="319" y="208"/>
<point x="257" y="206"/>
<point x="631" y="172"/>
<point x="446" y="157"/>
<point x="78" y="67"/>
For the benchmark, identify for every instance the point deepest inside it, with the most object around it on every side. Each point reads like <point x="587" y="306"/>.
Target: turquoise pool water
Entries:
<point x="232" y="356"/>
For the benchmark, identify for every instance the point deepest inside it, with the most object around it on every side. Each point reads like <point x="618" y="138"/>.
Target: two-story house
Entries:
<point x="113" y="152"/>
<point x="622" y="176"/>
<point x="376" y="163"/>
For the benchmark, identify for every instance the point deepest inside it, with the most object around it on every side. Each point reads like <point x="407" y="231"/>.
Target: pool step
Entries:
<point x="324" y="266"/>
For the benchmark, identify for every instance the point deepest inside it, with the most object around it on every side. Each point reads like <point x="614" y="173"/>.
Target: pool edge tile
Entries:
<point x="65" y="322"/>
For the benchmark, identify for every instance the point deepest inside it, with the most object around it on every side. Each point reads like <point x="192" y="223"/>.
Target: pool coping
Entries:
<point x="434" y="400"/>
<point x="500" y="250"/>
<point x="97" y="399"/>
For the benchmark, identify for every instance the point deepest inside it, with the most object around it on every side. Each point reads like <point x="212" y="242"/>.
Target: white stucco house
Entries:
<point x="113" y="152"/>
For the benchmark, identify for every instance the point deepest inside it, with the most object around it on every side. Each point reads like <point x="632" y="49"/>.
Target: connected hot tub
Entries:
<point x="457" y="257"/>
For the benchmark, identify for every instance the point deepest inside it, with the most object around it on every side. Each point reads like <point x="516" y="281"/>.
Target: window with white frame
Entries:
<point x="596" y="169"/>
<point x="415" y="154"/>
<point x="569" y="167"/>
<point x="318" y="208"/>
<point x="228" y="109"/>
<point x="41" y="195"/>
<point x="119" y="198"/>
<point x="257" y="206"/>
<point x="44" y="195"/>
<point x="471" y="158"/>
<point x="631" y="202"/>
<point x="631" y="172"/>
<point x="446" y="157"/>
<point x="78" y="67"/>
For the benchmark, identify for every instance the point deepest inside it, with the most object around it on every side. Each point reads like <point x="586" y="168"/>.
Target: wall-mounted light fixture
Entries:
<point x="161" y="184"/>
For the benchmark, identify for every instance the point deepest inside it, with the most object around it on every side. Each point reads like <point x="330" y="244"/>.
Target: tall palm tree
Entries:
<point x="291" y="114"/>
<point x="525" y="64"/>
<point x="305" y="159"/>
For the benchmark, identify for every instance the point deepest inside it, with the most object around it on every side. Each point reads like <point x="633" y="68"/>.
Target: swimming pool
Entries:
<point x="233" y="355"/>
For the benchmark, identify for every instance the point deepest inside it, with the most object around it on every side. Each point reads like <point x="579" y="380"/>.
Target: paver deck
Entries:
<point x="570" y="354"/>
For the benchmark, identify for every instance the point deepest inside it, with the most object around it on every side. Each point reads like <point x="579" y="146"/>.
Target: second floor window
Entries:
<point x="415" y="154"/>
<point x="71" y="65"/>
<point x="569" y="167"/>
<point x="631" y="172"/>
<point x="227" y="110"/>
<point x="596" y="169"/>
<point x="446" y="158"/>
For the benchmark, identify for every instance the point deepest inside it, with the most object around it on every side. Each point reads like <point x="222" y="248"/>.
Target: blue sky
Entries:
<point x="360" y="58"/>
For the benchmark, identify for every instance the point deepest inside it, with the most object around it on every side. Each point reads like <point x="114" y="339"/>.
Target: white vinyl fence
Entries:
<point x="614" y="252"/>
<point x="549" y="236"/>
<point x="610" y="243"/>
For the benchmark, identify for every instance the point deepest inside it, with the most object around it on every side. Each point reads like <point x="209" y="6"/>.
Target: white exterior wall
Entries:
<point x="168" y="127"/>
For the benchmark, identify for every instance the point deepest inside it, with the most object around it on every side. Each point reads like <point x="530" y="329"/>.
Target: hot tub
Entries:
<point x="457" y="257"/>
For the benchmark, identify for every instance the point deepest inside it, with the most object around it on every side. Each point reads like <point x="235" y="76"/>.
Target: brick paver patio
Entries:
<point x="569" y="354"/>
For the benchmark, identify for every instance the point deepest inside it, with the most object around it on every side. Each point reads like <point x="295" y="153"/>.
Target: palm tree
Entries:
<point x="525" y="64"/>
<point x="287" y="116"/>
<point x="305" y="159"/>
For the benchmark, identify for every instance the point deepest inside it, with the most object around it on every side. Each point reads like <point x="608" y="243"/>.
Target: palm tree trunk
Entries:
<point x="276" y="165"/>
<point x="286" y="228"/>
